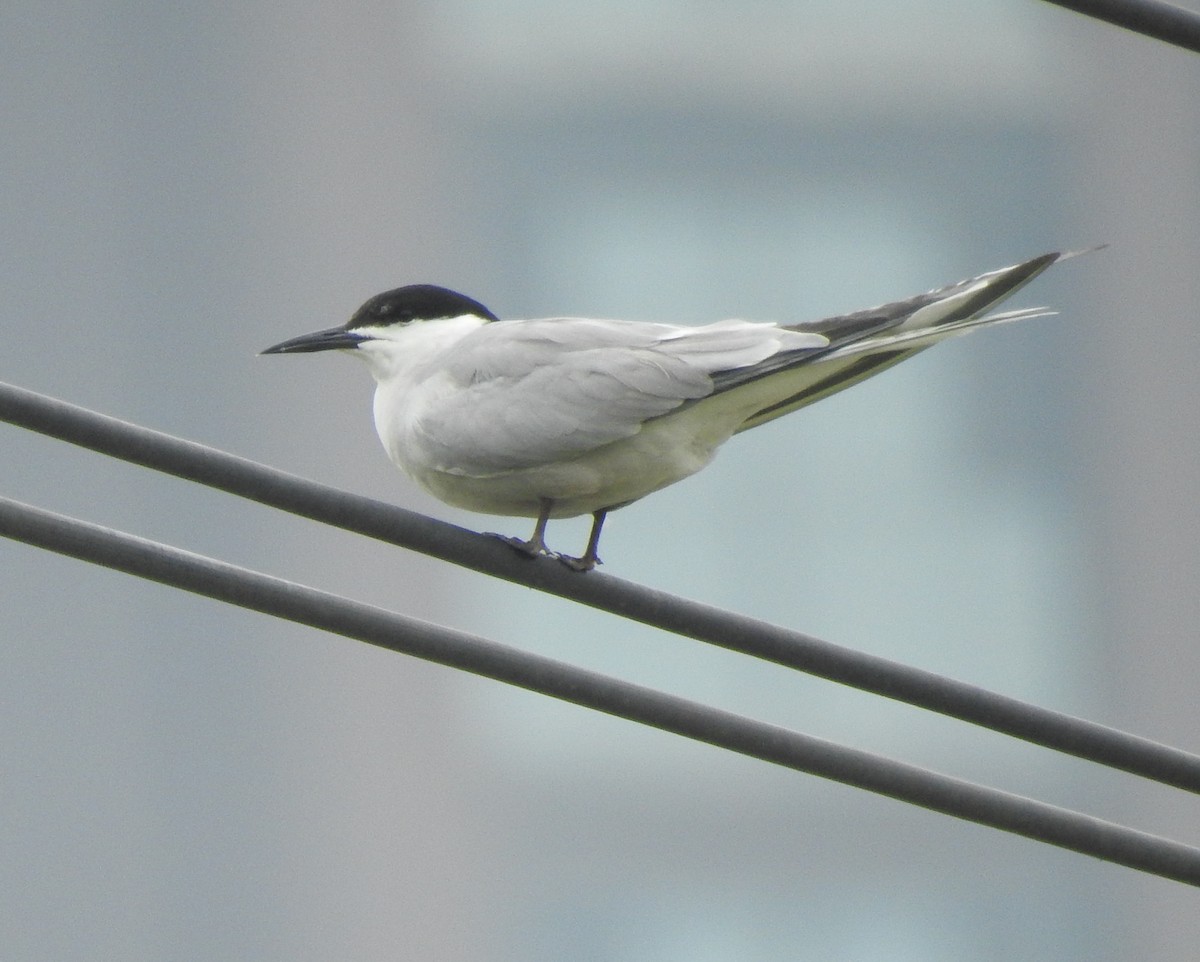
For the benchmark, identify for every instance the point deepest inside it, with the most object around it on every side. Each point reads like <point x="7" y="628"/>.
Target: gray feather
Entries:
<point x="531" y="392"/>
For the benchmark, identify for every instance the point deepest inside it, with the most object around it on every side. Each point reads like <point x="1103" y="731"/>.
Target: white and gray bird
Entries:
<point x="559" y="417"/>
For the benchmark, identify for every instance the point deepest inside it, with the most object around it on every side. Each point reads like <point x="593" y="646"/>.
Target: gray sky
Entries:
<point x="1019" y="510"/>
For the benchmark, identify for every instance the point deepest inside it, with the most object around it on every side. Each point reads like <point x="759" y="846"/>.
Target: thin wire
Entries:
<point x="1163" y="21"/>
<point x="792" y="649"/>
<point x="456" y="649"/>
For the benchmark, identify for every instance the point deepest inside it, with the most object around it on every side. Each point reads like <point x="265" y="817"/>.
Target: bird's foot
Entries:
<point x="536" y="546"/>
<point x="528" y="549"/>
<point x="586" y="563"/>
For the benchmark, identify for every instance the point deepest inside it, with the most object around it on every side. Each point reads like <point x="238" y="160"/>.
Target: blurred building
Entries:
<point x="1017" y="510"/>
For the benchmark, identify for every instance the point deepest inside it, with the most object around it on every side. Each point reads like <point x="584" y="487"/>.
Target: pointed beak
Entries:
<point x="336" y="338"/>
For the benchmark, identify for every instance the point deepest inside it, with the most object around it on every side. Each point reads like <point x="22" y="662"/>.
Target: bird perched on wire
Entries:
<point x="560" y="417"/>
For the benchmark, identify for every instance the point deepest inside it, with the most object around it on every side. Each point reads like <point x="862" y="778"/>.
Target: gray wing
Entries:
<point x="529" y="393"/>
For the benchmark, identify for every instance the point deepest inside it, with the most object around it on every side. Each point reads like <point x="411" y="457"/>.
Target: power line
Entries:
<point x="284" y="599"/>
<point x="791" y="649"/>
<point x="1163" y="21"/>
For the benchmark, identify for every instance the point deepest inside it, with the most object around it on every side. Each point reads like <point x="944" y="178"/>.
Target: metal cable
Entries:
<point x="792" y="649"/>
<point x="1162" y="21"/>
<point x="283" y="599"/>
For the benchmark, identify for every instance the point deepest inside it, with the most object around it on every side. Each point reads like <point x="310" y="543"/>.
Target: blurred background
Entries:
<point x="183" y="185"/>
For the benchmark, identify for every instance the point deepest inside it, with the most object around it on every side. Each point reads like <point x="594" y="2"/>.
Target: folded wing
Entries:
<point x="529" y="393"/>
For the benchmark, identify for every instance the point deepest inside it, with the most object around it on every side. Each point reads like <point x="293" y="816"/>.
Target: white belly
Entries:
<point x="666" y="450"/>
<point x="607" y="477"/>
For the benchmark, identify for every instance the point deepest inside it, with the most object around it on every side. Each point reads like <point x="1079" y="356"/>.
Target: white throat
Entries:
<point x="402" y="351"/>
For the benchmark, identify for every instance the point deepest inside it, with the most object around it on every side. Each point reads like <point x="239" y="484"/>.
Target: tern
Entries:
<point x="559" y="417"/>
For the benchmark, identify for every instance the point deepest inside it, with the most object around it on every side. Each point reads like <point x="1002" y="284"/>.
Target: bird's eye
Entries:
<point x="394" y="313"/>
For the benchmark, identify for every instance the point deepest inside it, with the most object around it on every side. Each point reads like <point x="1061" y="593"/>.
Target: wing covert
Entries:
<point x="529" y="393"/>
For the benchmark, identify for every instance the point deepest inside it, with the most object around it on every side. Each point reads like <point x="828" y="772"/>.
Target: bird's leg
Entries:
<point x="590" y="558"/>
<point x="536" y="544"/>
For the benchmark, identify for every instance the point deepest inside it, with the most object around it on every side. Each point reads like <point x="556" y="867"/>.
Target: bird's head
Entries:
<point x="386" y="317"/>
